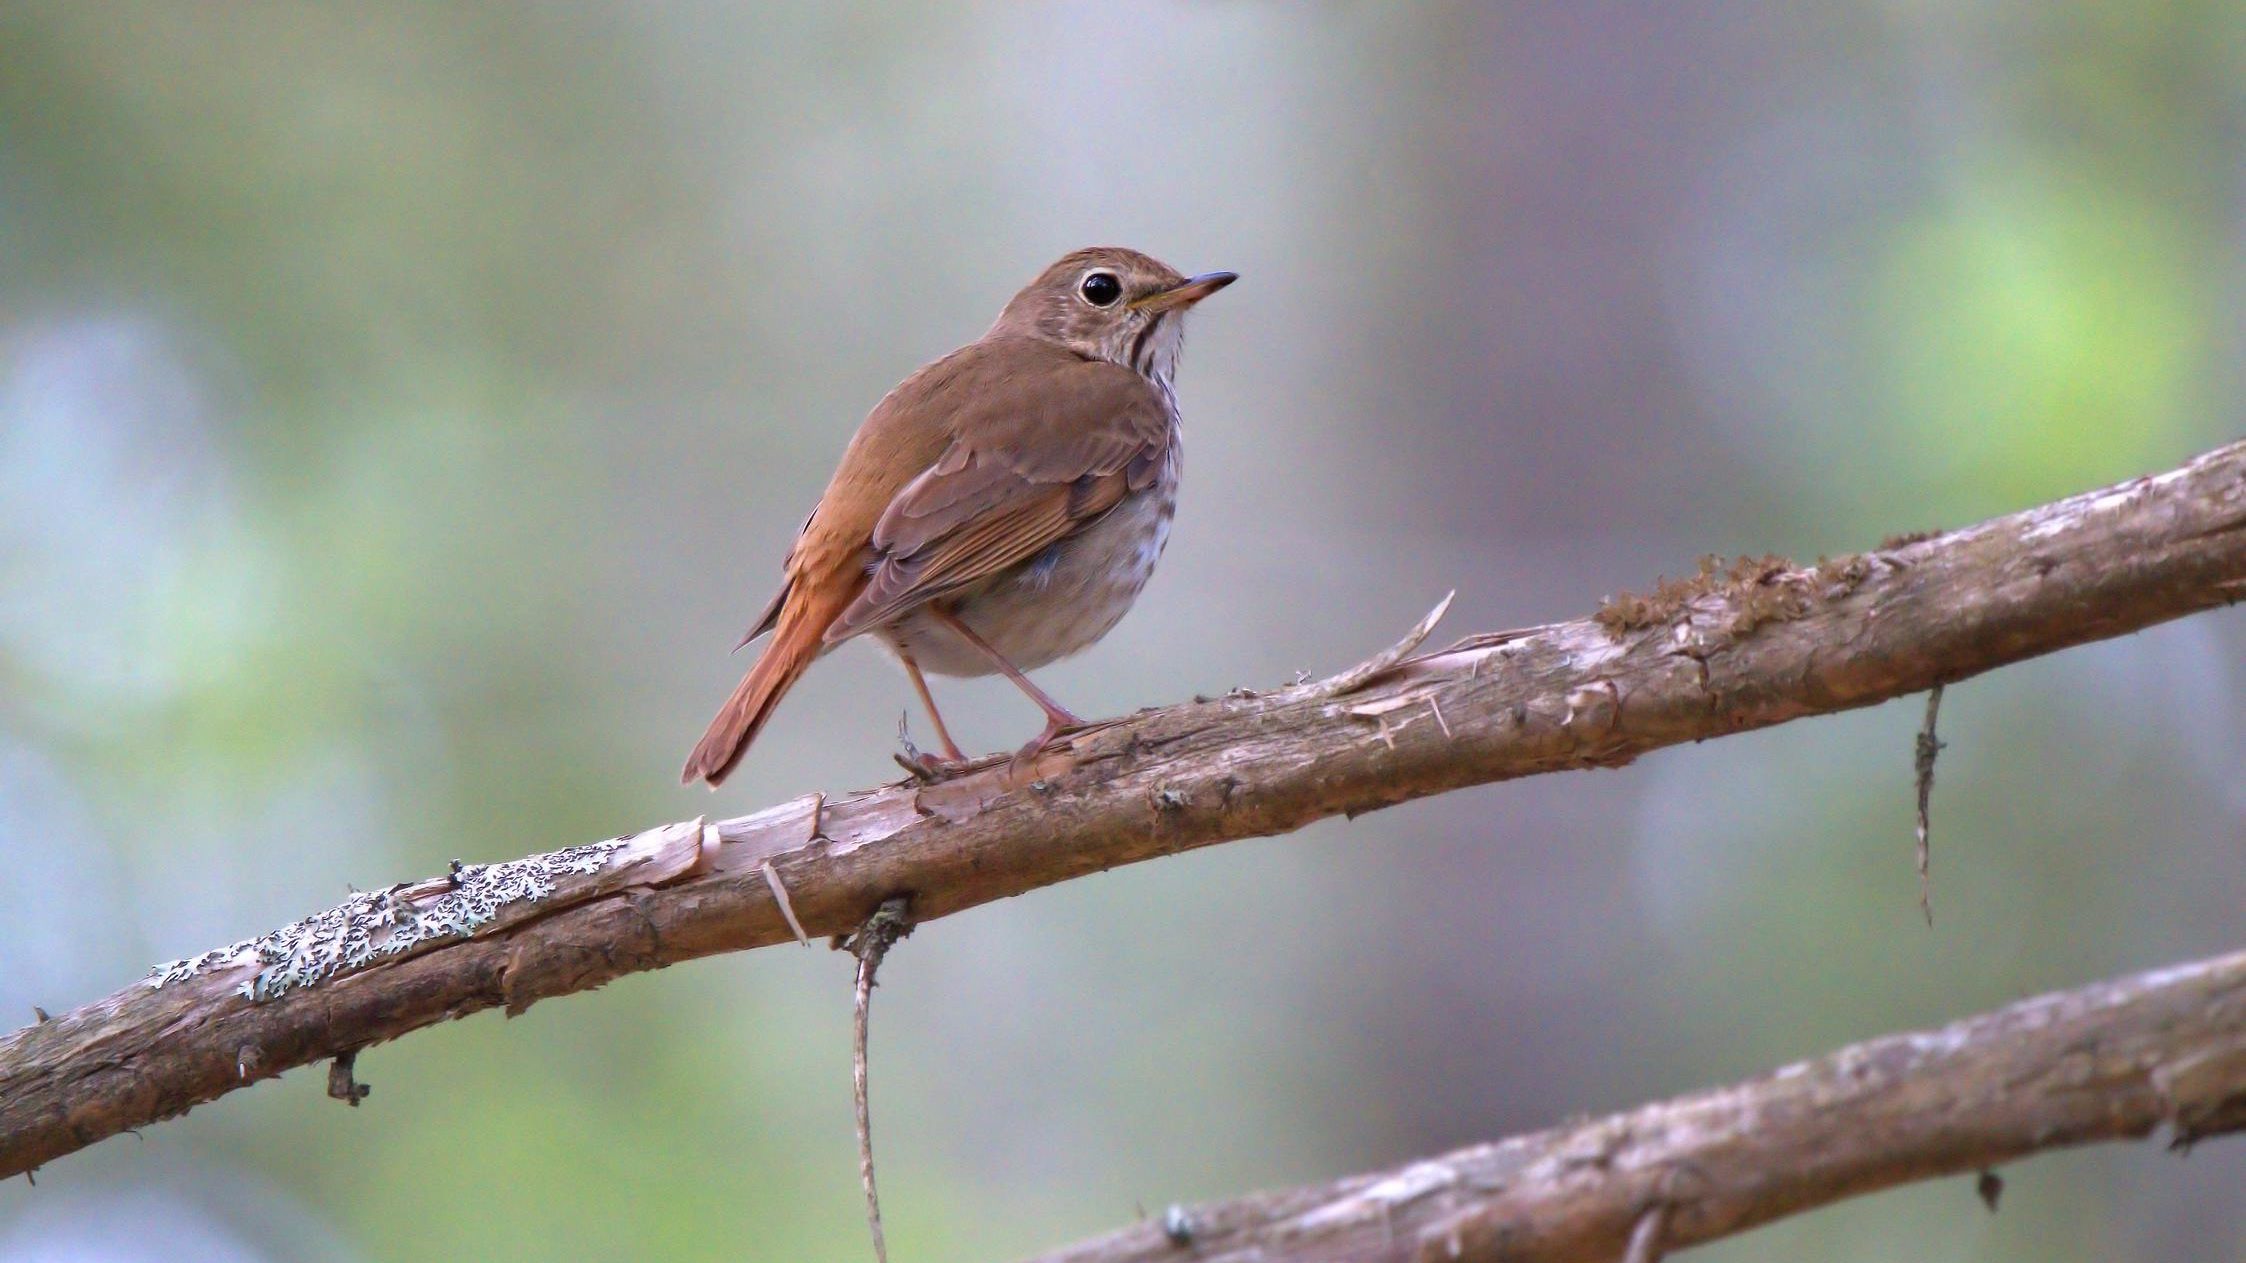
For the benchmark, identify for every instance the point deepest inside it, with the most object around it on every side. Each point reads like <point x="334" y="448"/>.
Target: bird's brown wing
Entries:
<point x="1038" y="452"/>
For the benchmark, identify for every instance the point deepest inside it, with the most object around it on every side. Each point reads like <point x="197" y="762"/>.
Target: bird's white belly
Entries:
<point x="1055" y="604"/>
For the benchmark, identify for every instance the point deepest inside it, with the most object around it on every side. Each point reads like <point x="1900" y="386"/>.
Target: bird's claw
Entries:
<point x="927" y="768"/>
<point x="1055" y="728"/>
<point x="923" y="766"/>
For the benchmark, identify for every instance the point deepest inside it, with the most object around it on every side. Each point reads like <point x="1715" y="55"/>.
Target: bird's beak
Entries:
<point x="1185" y="293"/>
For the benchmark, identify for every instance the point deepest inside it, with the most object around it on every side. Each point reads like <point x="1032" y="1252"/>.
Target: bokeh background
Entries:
<point x="403" y="407"/>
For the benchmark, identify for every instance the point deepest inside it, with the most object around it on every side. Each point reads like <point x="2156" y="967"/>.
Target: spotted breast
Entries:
<point x="1062" y="600"/>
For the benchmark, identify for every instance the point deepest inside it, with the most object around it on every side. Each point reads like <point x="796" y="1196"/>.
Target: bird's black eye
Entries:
<point x="1101" y="289"/>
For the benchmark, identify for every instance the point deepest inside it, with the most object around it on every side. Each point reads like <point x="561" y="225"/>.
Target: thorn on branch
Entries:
<point x="1440" y="722"/>
<point x="1648" y="1237"/>
<point x="41" y="1014"/>
<point x="1990" y="1187"/>
<point x="341" y="1085"/>
<point x="880" y="932"/>
<point x="787" y="906"/>
<point x="1929" y="748"/>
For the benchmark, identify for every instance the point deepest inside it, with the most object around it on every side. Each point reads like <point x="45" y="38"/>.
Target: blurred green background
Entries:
<point x="403" y="407"/>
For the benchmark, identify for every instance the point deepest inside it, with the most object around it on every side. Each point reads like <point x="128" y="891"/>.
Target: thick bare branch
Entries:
<point x="2110" y="1062"/>
<point x="1756" y="645"/>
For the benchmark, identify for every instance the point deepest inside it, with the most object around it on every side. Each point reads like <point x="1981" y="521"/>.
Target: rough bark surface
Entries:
<point x="1746" y="647"/>
<point x="2111" y="1062"/>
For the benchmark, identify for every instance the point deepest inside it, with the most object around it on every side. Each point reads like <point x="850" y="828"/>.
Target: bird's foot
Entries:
<point x="930" y="769"/>
<point x="1057" y="726"/>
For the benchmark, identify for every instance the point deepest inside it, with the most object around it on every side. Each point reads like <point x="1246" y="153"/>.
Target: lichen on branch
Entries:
<point x="372" y="925"/>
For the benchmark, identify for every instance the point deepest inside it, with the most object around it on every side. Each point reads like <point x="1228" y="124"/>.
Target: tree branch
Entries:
<point x="1726" y="651"/>
<point x="2108" y="1062"/>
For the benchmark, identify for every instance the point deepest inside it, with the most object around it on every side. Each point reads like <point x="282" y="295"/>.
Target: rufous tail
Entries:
<point x="797" y="644"/>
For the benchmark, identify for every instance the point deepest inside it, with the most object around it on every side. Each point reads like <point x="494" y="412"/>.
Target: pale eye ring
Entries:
<point x="1100" y="288"/>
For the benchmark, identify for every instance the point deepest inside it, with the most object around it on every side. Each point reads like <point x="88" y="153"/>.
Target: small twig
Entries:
<point x="1929" y="748"/>
<point x="787" y="907"/>
<point x="1646" y="1237"/>
<point x="889" y="923"/>
<point x="341" y="1085"/>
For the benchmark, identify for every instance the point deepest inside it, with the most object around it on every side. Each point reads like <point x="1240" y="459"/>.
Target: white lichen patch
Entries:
<point x="373" y="925"/>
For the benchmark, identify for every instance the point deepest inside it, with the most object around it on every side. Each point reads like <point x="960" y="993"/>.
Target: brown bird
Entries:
<point x="998" y="510"/>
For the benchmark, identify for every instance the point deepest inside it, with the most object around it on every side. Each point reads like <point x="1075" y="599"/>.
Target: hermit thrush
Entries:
<point x="998" y="510"/>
